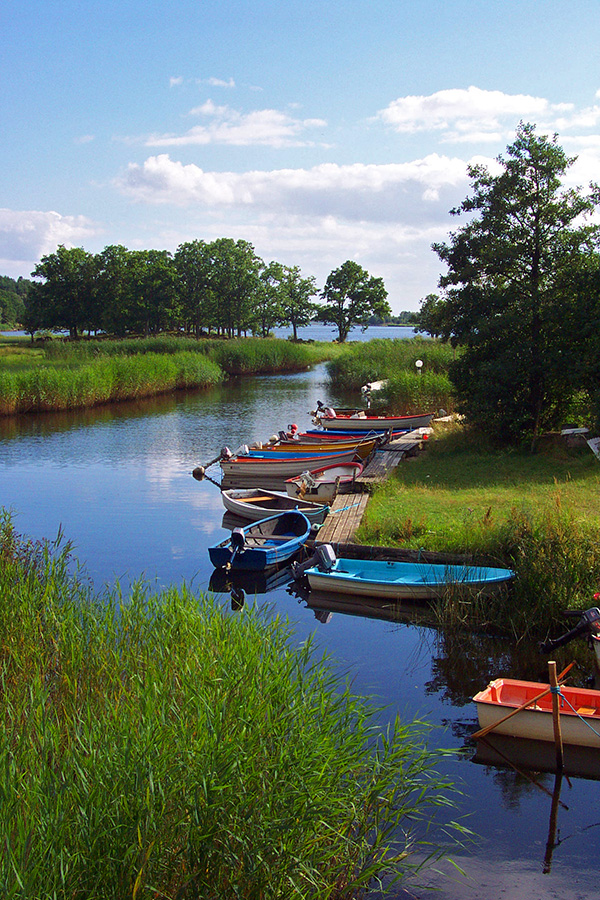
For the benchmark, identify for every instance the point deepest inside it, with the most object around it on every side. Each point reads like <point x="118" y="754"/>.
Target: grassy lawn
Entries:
<point x="455" y="495"/>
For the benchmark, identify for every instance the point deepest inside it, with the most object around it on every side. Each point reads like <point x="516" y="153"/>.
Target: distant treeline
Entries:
<point x="220" y="288"/>
<point x="13" y="295"/>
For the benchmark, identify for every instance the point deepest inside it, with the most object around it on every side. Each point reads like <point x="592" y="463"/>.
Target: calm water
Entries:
<point x="118" y="482"/>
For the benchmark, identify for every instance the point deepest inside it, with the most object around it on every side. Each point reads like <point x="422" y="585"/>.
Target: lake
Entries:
<point x="118" y="482"/>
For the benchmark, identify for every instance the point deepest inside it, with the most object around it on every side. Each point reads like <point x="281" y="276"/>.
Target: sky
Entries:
<point x="319" y="132"/>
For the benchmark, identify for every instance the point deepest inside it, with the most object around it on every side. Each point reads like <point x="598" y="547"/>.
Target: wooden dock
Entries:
<point x="344" y="518"/>
<point x="347" y="510"/>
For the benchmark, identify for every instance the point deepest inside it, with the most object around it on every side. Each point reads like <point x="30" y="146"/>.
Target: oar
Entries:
<point x="483" y="731"/>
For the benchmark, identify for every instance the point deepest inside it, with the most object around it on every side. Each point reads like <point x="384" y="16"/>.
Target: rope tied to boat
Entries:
<point x="557" y="690"/>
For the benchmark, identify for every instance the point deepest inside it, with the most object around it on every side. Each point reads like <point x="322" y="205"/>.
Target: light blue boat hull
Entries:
<point x="404" y="580"/>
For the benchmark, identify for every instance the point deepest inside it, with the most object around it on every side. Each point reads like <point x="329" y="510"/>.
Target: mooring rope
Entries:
<point x="557" y="690"/>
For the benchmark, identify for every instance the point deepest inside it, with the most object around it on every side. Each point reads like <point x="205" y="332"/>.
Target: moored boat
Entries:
<point x="322" y="484"/>
<point x="283" y="466"/>
<point x="268" y="542"/>
<point x="253" y="504"/>
<point x="362" y="448"/>
<point x="375" y="423"/>
<point x="395" y="580"/>
<point x="579" y="711"/>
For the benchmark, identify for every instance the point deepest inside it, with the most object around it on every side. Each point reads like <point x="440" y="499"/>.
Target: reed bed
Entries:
<point x="409" y="389"/>
<point x="110" y="379"/>
<point x="155" y="746"/>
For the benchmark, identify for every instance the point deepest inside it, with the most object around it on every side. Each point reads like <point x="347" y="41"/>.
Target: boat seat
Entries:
<point x="586" y="710"/>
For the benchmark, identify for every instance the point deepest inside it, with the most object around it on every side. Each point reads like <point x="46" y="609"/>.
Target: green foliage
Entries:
<point x="156" y="746"/>
<point x="352" y="296"/>
<point x="514" y="291"/>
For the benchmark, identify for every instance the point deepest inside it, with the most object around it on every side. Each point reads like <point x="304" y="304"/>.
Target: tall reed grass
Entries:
<point x="60" y="387"/>
<point x="155" y="746"/>
<point x="409" y="389"/>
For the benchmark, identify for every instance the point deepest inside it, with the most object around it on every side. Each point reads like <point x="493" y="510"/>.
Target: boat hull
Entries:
<point x="286" y="467"/>
<point x="376" y="423"/>
<point x="362" y="448"/>
<point x="254" y="504"/>
<point x="392" y="580"/>
<point x="506" y="694"/>
<point x="269" y="542"/>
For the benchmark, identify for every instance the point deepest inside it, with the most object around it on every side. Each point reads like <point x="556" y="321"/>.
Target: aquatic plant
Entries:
<point x="154" y="745"/>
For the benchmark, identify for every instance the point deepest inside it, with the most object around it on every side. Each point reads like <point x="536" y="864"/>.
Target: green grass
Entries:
<point x="538" y="514"/>
<point x="155" y="746"/>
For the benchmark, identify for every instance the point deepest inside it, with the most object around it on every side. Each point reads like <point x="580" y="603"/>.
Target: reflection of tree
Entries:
<point x="463" y="664"/>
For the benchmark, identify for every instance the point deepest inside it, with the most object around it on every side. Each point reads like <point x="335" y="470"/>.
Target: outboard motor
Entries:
<point x="588" y="619"/>
<point x="323" y="558"/>
<point x="237" y="539"/>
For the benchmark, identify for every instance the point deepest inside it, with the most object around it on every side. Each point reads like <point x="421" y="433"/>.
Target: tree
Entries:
<point x="68" y="297"/>
<point x="297" y="308"/>
<point x="511" y="271"/>
<point x="352" y="297"/>
<point x="234" y="283"/>
<point x="268" y="310"/>
<point x="193" y="267"/>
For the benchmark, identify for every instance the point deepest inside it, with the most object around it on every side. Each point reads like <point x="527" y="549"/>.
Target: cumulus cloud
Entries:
<point x="467" y="115"/>
<point x="25" y="236"/>
<point x="416" y="191"/>
<point x="224" y="125"/>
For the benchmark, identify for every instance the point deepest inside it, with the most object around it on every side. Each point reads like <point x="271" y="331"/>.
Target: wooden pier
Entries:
<point x="347" y="510"/>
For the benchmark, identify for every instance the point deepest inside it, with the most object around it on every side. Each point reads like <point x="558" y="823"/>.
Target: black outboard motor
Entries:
<point x="588" y="619"/>
<point x="323" y="558"/>
<point x="237" y="539"/>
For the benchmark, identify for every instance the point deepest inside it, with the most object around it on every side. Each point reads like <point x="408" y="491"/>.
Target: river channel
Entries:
<point x="118" y="482"/>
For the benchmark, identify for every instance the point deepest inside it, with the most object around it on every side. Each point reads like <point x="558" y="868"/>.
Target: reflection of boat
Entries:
<point x="394" y="580"/>
<point x="253" y="504"/>
<point x="360" y="422"/>
<point x="539" y="756"/>
<point x="223" y="581"/>
<point x="579" y="711"/>
<point x="265" y="543"/>
<point x="324" y="483"/>
<point x="363" y="607"/>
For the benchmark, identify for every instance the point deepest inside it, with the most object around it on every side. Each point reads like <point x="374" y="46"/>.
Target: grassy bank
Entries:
<point x="409" y="389"/>
<point x="66" y="375"/>
<point x="538" y="514"/>
<point x="156" y="746"/>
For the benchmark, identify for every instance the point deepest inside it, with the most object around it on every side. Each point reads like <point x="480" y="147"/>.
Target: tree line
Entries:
<point x="220" y="287"/>
<point x="13" y="294"/>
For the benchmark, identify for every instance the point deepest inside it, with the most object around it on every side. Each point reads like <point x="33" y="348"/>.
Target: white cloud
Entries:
<point x="218" y="82"/>
<point x="26" y="236"/>
<point x="263" y="127"/>
<point x="418" y="191"/>
<point x="175" y="80"/>
<point x="467" y="115"/>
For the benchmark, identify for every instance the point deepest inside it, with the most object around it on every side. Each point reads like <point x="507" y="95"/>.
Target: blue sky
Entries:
<point x="319" y="132"/>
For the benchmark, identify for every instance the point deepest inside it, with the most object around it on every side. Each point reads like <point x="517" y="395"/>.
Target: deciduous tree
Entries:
<point x="352" y="297"/>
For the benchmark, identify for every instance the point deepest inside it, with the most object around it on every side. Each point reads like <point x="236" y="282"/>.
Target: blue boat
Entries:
<point x="394" y="580"/>
<point x="262" y="544"/>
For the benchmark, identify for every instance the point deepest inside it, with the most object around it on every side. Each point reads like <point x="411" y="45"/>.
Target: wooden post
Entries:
<point x="556" y="715"/>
